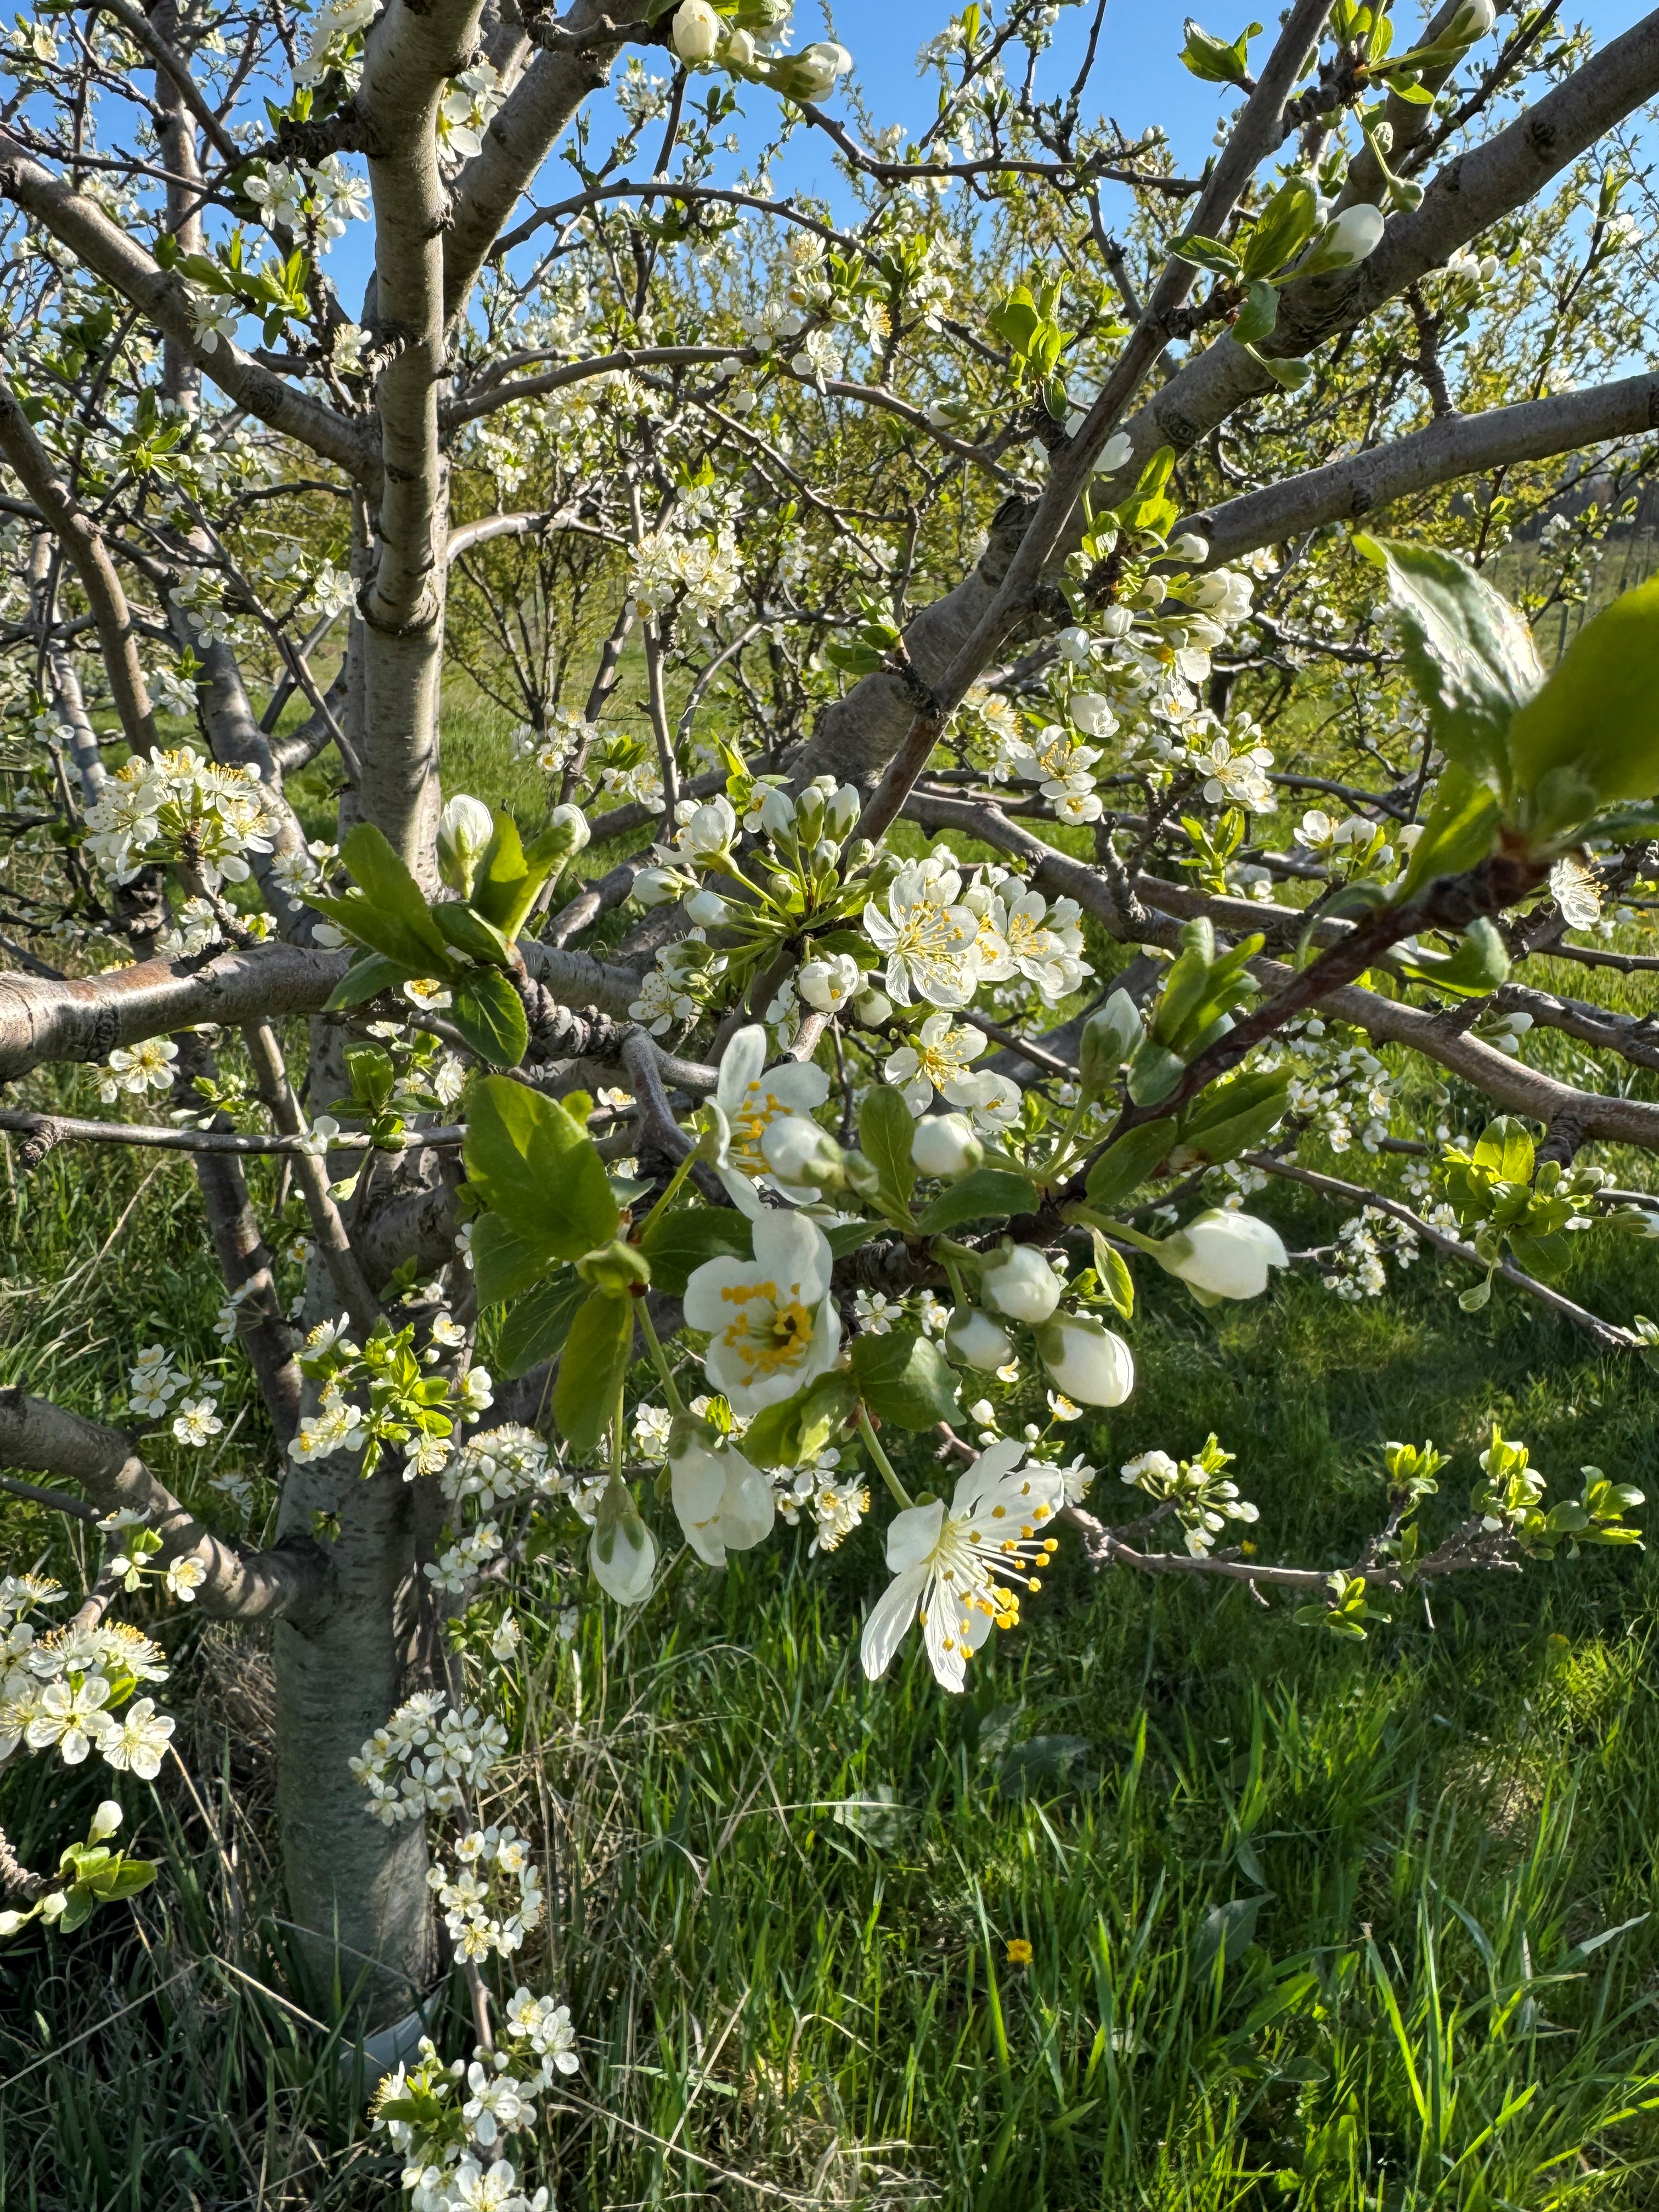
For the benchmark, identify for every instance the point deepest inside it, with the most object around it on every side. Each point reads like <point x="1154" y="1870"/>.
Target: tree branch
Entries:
<point x="164" y="297"/>
<point x="286" y="1582"/>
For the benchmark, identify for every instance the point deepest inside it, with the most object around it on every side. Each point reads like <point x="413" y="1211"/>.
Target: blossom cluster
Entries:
<point x="427" y="1757"/>
<point x="492" y="1899"/>
<point x="62" y="1690"/>
<point x="179" y="806"/>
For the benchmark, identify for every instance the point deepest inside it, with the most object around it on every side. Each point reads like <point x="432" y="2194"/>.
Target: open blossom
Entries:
<point x="138" y="1741"/>
<point x="723" y="1504"/>
<point x="1572" y="886"/>
<point x="1019" y="936"/>
<point x="545" y="2027"/>
<point x="752" y="1097"/>
<point x="1237" y="778"/>
<point x="936" y="1060"/>
<point x="147" y="1065"/>
<point x="927" y="937"/>
<point x="70" y="1715"/>
<point x="962" y="1567"/>
<point x="772" y="1325"/>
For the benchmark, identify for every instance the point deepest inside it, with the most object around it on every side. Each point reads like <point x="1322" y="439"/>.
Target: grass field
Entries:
<point x="1310" y="1925"/>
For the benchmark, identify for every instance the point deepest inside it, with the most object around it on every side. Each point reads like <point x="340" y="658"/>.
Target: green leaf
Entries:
<point x="1256" y="318"/>
<point x="488" y="1013"/>
<point x="1112" y="1271"/>
<point x="1125" y="1166"/>
<point x="1468" y="653"/>
<point x="1590" y="738"/>
<point x="388" y="884"/>
<point x="470" y="933"/>
<point x="1213" y="59"/>
<point x="537" y="1324"/>
<point x="505" y="1259"/>
<point x="1234" y="1116"/>
<point x="369" y="975"/>
<point x="798" y="1431"/>
<point x="886" y="1125"/>
<point x="675" y="1244"/>
<point x="1206" y="253"/>
<point x="1546" y="1257"/>
<point x="1154" y="1072"/>
<point x="1287" y="370"/>
<point x="1479" y="964"/>
<point x="500" y="871"/>
<point x="1505" y="1150"/>
<point x="387" y="934"/>
<point x="597" y="1353"/>
<point x="1282" y="229"/>
<point x="904" y="1377"/>
<point x="534" y="1164"/>
<point x="1459" y="832"/>
<point x="987" y="1194"/>
<point x="372" y="1072"/>
<point x="1146" y="507"/>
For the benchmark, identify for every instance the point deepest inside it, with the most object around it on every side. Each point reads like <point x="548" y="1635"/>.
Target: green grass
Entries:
<point x="1312" y="1926"/>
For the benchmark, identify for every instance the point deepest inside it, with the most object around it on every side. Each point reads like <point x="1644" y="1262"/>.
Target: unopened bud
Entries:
<point x="615" y="1268"/>
<point x="465" y="828"/>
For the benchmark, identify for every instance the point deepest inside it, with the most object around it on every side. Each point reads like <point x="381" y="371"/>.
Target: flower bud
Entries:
<point x="739" y="51"/>
<point x="799" y="1153"/>
<point x="945" y="1144"/>
<point x="841" y="816"/>
<point x="1110" y="1037"/>
<point x="812" y="73"/>
<point x="1115" y="453"/>
<point x="777" y="814"/>
<point x="707" y="908"/>
<point x="809" y="815"/>
<point x="1152" y="592"/>
<point x="696" y="32"/>
<point x="973" y="1339"/>
<point x="1019" y="1282"/>
<point x="829" y="985"/>
<point x="1189" y="546"/>
<point x="1090" y="1364"/>
<point x="571" y="823"/>
<point x="874" y="1008"/>
<point x="722" y="1503"/>
<point x="1221" y="1254"/>
<point x="1091" y="711"/>
<point x="1356" y="233"/>
<point x="621" y="1551"/>
<point x="465" y="828"/>
<point x="1115" y="621"/>
<point x="105" y="1821"/>
<point x="656" y="887"/>
<point x="1472" y="21"/>
<point x="1076" y="645"/>
<point x="615" y="1268"/>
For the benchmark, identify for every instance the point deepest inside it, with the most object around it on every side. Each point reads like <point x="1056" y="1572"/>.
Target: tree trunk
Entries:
<point x="356" y="1890"/>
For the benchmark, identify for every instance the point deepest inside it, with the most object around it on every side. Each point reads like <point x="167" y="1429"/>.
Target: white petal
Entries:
<point x="704" y="1306"/>
<point x="742" y="1193"/>
<point x="889" y="1620"/>
<point x="744" y="1061"/>
<point x="913" y="1535"/>
<point x="792" y="1251"/>
<point x="993" y="1466"/>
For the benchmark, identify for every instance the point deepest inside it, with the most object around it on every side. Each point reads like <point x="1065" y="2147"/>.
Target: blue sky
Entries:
<point x="1138" y="81"/>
